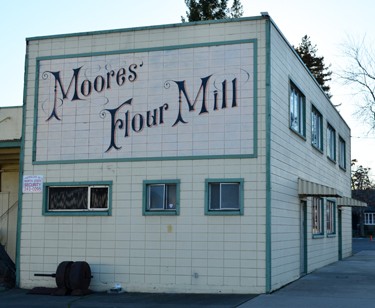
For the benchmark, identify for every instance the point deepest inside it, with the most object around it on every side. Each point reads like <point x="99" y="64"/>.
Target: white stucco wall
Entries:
<point x="191" y="252"/>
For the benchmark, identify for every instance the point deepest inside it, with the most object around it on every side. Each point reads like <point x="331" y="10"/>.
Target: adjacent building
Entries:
<point x="195" y="157"/>
<point x="10" y="148"/>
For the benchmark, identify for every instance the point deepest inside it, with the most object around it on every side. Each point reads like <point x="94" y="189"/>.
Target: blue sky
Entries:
<point x="328" y="23"/>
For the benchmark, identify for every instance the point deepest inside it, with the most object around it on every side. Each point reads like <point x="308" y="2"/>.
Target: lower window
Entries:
<point x="161" y="197"/>
<point x="224" y="196"/>
<point x="73" y="199"/>
<point x="317" y="217"/>
<point x="370" y="219"/>
<point x="330" y="210"/>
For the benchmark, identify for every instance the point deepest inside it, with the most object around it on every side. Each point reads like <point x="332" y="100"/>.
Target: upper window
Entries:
<point x="224" y="197"/>
<point x="330" y="217"/>
<point x="316" y="129"/>
<point x="161" y="197"/>
<point x="331" y="142"/>
<point x="342" y="153"/>
<point x="317" y="217"/>
<point x="84" y="199"/>
<point x="297" y="110"/>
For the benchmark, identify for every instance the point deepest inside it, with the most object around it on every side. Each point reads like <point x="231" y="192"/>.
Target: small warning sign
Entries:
<point x="32" y="184"/>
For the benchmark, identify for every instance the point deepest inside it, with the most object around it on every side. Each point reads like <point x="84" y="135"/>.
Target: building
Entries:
<point x="196" y="157"/>
<point x="10" y="147"/>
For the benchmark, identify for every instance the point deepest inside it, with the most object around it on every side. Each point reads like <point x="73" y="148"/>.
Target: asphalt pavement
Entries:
<point x="345" y="284"/>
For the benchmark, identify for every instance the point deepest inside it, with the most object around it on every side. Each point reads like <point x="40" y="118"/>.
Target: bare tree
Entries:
<point x="360" y="74"/>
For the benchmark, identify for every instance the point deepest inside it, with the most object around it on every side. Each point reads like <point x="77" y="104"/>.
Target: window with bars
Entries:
<point x="317" y="217"/>
<point x="330" y="217"/>
<point x="370" y="219"/>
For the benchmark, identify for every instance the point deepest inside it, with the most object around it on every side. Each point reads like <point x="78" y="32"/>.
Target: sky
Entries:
<point x="330" y="24"/>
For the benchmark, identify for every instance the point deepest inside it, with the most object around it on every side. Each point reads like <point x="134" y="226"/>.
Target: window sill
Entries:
<point x="316" y="236"/>
<point x="224" y="213"/>
<point x="77" y="213"/>
<point x="316" y="148"/>
<point x="298" y="134"/>
<point x="333" y="161"/>
<point x="160" y="213"/>
<point x="331" y="235"/>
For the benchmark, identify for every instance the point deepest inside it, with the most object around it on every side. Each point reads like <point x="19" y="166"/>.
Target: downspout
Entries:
<point x="268" y="155"/>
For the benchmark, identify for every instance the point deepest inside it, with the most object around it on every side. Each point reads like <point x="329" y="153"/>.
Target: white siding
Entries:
<point x="292" y="157"/>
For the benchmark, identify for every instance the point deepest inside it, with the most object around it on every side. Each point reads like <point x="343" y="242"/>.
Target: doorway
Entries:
<point x="303" y="238"/>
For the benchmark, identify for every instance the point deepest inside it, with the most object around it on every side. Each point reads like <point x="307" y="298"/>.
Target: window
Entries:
<point x="369" y="218"/>
<point x="86" y="199"/>
<point x="297" y="110"/>
<point x="316" y="129"/>
<point x="317" y="217"/>
<point x="330" y="217"/>
<point x="224" y="197"/>
<point x="161" y="197"/>
<point x="331" y="142"/>
<point x="342" y="153"/>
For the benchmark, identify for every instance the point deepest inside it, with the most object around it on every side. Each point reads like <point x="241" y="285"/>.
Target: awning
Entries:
<point x="311" y="189"/>
<point x="346" y="201"/>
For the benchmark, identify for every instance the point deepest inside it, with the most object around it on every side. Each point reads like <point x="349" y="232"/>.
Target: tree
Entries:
<point x="360" y="177"/>
<point x="211" y="9"/>
<point x="236" y="9"/>
<point x="362" y="189"/>
<point x="307" y="51"/>
<point x="360" y="74"/>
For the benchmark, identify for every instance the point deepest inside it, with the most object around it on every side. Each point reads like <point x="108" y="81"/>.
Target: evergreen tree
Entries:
<point x="315" y="64"/>
<point x="211" y="9"/>
<point x="236" y="9"/>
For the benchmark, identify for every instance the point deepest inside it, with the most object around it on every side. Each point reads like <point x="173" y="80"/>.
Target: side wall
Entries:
<point x="191" y="252"/>
<point x="293" y="157"/>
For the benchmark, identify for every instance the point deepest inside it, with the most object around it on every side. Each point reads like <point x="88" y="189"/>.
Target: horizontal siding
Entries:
<point x="293" y="157"/>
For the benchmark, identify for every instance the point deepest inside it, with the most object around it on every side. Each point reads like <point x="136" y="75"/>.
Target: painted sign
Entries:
<point x="32" y="184"/>
<point x="162" y="103"/>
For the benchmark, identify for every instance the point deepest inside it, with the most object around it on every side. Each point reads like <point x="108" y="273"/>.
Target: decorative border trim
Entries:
<point x="130" y="159"/>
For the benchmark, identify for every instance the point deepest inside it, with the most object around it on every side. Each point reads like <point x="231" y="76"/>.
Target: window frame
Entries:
<point x="342" y="153"/>
<point x="331" y="144"/>
<point x="317" y="225"/>
<point x="228" y="211"/>
<point x="316" y="129"/>
<point x="297" y="104"/>
<point x="147" y="211"/>
<point x="330" y="217"/>
<point x="90" y="211"/>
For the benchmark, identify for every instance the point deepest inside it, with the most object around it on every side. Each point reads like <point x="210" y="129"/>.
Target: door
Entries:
<point x="339" y="222"/>
<point x="303" y="238"/>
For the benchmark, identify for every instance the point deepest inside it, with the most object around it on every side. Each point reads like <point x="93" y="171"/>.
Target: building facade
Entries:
<point x="196" y="157"/>
<point x="10" y="147"/>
